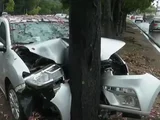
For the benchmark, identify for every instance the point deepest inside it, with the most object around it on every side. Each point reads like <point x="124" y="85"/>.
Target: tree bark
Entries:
<point x="107" y="20"/>
<point x="84" y="54"/>
<point x="1" y="7"/>
<point x="116" y="16"/>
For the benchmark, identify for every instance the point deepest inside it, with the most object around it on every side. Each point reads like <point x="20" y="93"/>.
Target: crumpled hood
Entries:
<point x="109" y="47"/>
<point x="52" y="49"/>
<point x="57" y="49"/>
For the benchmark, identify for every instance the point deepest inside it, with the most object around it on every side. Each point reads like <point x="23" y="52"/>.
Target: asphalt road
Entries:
<point x="145" y="26"/>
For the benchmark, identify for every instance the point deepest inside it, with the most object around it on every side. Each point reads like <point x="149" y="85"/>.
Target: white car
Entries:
<point x="61" y="15"/>
<point x="30" y="73"/>
<point x="139" y="18"/>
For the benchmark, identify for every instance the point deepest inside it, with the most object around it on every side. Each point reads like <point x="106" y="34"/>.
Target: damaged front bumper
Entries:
<point x="53" y="94"/>
<point x="133" y="94"/>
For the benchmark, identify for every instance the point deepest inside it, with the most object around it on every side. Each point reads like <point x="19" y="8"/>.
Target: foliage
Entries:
<point x="20" y="7"/>
<point x="34" y="11"/>
<point x="150" y="9"/>
<point x="133" y="5"/>
<point x="65" y="4"/>
<point x="34" y="6"/>
<point x="50" y="6"/>
<point x="10" y="6"/>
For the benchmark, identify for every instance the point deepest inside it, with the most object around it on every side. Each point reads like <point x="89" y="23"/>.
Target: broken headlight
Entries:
<point x="45" y="77"/>
<point x="125" y="96"/>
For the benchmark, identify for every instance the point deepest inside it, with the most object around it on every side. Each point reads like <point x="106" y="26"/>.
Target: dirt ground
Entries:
<point x="5" y="113"/>
<point x="138" y="53"/>
<point x="140" y="56"/>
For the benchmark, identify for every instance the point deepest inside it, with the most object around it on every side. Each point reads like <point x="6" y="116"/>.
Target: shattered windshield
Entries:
<point x="30" y="32"/>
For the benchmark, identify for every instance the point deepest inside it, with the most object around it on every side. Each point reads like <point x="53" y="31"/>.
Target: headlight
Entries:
<point x="125" y="96"/>
<point x="45" y="77"/>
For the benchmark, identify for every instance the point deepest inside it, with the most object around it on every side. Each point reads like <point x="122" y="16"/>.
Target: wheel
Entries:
<point x="16" y="109"/>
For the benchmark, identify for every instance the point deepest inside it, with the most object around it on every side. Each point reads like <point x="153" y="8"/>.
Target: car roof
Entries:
<point x="33" y="18"/>
<point x="156" y="19"/>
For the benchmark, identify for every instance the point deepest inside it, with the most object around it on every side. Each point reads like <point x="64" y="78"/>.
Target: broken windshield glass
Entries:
<point x="29" y="32"/>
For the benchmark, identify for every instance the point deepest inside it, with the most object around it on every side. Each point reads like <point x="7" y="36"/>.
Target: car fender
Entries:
<point x="15" y="68"/>
<point x="62" y="100"/>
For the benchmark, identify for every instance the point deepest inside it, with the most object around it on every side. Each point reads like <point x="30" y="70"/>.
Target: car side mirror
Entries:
<point x="2" y="47"/>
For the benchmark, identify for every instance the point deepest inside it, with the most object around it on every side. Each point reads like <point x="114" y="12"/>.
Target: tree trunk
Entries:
<point x="124" y="21"/>
<point x="1" y="7"/>
<point x="84" y="54"/>
<point x="107" y="20"/>
<point x="116" y="16"/>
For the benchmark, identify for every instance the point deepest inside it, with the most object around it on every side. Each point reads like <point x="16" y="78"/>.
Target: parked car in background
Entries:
<point x="139" y="18"/>
<point x="4" y="13"/>
<point x="132" y="17"/>
<point x="61" y="15"/>
<point x="129" y="16"/>
<point x="154" y="24"/>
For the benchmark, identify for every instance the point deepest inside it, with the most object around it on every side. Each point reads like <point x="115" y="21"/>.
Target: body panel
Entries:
<point x="55" y="49"/>
<point x="110" y="46"/>
<point x="62" y="100"/>
<point x="139" y="83"/>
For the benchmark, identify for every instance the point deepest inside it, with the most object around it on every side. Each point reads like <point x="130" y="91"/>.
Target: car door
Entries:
<point x="2" y="54"/>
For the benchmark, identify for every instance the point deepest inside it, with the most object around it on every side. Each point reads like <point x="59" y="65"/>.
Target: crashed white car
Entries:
<point x="34" y="72"/>
<point x="30" y="74"/>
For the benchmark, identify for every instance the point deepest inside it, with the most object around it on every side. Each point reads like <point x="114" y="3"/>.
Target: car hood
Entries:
<point x="57" y="49"/>
<point x="109" y="47"/>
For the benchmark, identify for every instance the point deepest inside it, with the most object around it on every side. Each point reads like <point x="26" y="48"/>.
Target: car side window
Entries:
<point x="3" y="33"/>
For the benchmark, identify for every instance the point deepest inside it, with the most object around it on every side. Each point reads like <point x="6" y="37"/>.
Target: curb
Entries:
<point x="151" y="39"/>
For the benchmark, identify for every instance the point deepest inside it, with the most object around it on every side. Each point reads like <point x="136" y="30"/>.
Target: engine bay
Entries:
<point x="33" y="61"/>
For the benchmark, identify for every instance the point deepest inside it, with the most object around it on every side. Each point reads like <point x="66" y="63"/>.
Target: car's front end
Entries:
<point x="37" y="60"/>
<point x="44" y="91"/>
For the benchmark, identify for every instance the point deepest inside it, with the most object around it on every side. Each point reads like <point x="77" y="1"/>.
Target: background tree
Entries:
<point x="50" y="6"/>
<point x="32" y="6"/>
<point x="20" y="7"/>
<point x="10" y="6"/>
<point x="150" y="9"/>
<point x="34" y="11"/>
<point x="84" y="54"/>
<point x="114" y="14"/>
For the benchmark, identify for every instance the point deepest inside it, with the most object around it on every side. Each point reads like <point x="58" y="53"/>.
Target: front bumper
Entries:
<point x="146" y="88"/>
<point x="62" y="100"/>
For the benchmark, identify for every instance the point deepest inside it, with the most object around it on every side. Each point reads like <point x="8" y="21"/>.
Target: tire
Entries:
<point x="15" y="105"/>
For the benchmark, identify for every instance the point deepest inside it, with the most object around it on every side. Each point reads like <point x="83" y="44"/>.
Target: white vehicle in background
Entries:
<point x="139" y="18"/>
<point x="4" y="13"/>
<point x="129" y="16"/>
<point x="154" y="24"/>
<point x="61" y="15"/>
